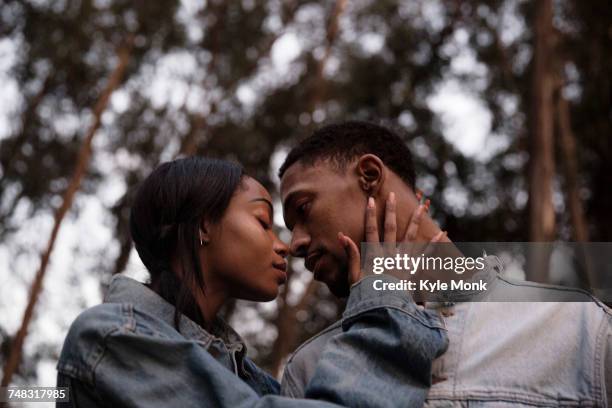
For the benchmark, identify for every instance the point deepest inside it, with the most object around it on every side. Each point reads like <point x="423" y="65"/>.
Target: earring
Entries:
<point x="201" y="240"/>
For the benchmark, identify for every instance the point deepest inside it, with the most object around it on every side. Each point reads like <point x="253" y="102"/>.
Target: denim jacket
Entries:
<point x="126" y="353"/>
<point x="504" y="354"/>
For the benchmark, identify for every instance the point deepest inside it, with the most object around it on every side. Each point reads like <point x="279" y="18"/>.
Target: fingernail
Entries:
<point x="371" y="202"/>
<point x="427" y="203"/>
<point x="392" y="196"/>
<point x="419" y="195"/>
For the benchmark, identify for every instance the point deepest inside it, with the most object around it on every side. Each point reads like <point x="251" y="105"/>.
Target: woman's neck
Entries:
<point x="209" y="299"/>
<point x="210" y="302"/>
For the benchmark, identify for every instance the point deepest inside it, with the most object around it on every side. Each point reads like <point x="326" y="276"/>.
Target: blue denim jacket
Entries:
<point x="507" y="354"/>
<point x="126" y="353"/>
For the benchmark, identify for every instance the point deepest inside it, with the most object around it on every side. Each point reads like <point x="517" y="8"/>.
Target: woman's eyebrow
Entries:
<point x="265" y="200"/>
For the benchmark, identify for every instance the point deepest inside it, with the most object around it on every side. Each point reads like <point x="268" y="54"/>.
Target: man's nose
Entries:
<point x="300" y="241"/>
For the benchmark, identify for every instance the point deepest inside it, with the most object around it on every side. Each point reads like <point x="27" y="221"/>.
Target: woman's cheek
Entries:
<point x="250" y="244"/>
<point x="257" y="243"/>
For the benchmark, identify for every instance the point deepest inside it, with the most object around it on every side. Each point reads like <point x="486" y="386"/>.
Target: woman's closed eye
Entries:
<point x="264" y="223"/>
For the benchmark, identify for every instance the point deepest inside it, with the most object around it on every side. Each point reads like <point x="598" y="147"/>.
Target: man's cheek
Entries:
<point x="340" y="257"/>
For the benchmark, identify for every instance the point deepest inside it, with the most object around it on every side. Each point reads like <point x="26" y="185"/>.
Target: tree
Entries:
<point x="84" y="157"/>
<point x="541" y="155"/>
<point x="374" y="60"/>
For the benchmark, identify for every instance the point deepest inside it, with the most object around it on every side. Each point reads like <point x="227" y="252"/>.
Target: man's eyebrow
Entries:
<point x="265" y="200"/>
<point x="286" y="206"/>
<point x="289" y="203"/>
<point x="289" y="200"/>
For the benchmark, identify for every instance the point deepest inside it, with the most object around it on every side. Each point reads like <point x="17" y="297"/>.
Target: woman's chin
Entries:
<point x="271" y="295"/>
<point x="264" y="294"/>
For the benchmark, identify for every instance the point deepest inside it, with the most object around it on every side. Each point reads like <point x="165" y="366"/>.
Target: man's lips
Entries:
<point x="318" y="272"/>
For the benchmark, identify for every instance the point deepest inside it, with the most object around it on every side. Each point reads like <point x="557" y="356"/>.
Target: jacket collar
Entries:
<point x="127" y="290"/>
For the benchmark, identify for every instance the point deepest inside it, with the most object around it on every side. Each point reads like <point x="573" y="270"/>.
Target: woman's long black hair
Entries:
<point x="168" y="210"/>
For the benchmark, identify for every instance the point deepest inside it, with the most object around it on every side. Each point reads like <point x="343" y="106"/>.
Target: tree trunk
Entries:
<point x="567" y="142"/>
<point x="570" y="169"/>
<point x="318" y="89"/>
<point x="285" y="324"/>
<point x="542" y="165"/>
<point x="80" y="169"/>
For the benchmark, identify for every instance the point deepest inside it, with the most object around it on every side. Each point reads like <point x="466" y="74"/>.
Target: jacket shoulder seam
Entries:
<point x="557" y="288"/>
<point x="333" y="326"/>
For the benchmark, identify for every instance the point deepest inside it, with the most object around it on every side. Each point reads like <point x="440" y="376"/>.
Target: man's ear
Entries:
<point x="371" y="173"/>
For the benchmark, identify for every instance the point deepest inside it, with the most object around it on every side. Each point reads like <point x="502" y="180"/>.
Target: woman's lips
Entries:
<point x="282" y="269"/>
<point x="282" y="277"/>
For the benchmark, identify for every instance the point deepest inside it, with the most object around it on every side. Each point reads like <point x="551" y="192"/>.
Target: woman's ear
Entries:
<point x="204" y="233"/>
<point x="371" y="173"/>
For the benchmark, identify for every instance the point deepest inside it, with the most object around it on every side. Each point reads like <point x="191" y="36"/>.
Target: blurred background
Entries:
<point x="505" y="104"/>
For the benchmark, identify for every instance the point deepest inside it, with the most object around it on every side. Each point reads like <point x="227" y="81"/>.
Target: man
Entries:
<point x="499" y="354"/>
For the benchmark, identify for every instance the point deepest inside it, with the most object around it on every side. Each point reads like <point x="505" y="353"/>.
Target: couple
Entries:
<point x="203" y="230"/>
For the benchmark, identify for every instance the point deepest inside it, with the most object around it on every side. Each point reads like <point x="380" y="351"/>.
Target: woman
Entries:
<point x="204" y="231"/>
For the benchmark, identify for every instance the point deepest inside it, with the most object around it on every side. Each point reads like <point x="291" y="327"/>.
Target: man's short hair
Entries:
<point x="343" y="142"/>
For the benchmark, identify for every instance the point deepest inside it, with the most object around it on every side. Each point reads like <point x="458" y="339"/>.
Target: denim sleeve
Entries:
<point x="129" y="365"/>
<point x="138" y="371"/>
<point x="384" y="354"/>
<point x="80" y="395"/>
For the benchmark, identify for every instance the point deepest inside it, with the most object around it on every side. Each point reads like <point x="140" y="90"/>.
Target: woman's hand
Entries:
<point x="389" y="235"/>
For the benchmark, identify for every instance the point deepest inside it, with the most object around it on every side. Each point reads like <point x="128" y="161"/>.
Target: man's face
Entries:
<point x="318" y="202"/>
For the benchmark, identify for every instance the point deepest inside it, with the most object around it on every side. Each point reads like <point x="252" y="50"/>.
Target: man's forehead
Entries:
<point x="301" y="176"/>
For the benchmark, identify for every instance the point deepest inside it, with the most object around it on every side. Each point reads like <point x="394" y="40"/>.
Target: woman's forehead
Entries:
<point x="252" y="188"/>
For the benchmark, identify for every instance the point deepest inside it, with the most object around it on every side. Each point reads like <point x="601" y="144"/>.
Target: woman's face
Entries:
<point x="243" y="256"/>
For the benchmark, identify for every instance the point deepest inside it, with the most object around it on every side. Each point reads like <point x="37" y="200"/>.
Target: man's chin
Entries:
<point x="338" y="289"/>
<point x="337" y="283"/>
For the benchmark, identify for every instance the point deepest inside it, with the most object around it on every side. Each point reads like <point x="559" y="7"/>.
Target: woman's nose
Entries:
<point x="281" y="248"/>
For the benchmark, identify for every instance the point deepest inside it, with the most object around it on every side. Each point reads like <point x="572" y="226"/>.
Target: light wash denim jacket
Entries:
<point x="126" y="353"/>
<point x="507" y="354"/>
